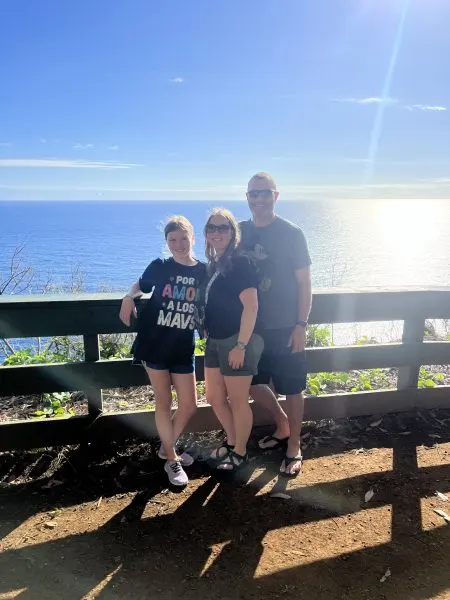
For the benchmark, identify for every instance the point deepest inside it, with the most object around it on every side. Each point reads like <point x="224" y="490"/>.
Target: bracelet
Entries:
<point x="129" y="296"/>
<point x="241" y="345"/>
<point x="302" y="323"/>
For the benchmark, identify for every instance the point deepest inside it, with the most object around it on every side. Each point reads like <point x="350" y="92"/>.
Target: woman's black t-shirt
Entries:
<point x="166" y="322"/>
<point x="223" y="310"/>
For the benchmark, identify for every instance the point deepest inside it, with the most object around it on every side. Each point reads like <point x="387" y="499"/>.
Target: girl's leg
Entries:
<point x="238" y="389"/>
<point x="216" y="396"/>
<point x="187" y="402"/>
<point x="161" y="384"/>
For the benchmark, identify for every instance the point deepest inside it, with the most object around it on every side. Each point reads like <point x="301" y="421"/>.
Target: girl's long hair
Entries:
<point x="223" y="264"/>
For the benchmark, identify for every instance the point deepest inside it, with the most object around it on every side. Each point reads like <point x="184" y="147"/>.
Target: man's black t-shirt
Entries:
<point x="166" y="322"/>
<point x="224" y="309"/>
<point x="277" y="250"/>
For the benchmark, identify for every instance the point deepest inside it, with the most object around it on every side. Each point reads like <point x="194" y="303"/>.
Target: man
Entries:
<point x="281" y="255"/>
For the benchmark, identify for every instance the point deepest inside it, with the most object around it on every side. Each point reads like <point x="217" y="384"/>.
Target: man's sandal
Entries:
<point x="232" y="462"/>
<point x="270" y="442"/>
<point x="291" y="466"/>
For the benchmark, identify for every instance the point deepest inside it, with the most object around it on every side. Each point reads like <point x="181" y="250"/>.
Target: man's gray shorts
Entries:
<point x="217" y="351"/>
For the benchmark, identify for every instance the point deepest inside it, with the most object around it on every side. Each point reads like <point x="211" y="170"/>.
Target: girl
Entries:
<point x="165" y="339"/>
<point x="232" y="348"/>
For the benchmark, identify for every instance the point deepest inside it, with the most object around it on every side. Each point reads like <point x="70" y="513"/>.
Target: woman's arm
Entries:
<point x="249" y="299"/>
<point x="128" y="306"/>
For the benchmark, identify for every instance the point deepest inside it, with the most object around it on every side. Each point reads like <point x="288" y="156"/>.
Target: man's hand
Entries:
<point x="127" y="309"/>
<point x="297" y="341"/>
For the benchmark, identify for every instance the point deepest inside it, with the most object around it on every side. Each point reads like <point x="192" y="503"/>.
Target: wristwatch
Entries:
<point x="241" y="345"/>
<point x="302" y="323"/>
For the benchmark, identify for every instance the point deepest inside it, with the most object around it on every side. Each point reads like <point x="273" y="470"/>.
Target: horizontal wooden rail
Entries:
<point x="121" y="373"/>
<point x="141" y="424"/>
<point x="33" y="316"/>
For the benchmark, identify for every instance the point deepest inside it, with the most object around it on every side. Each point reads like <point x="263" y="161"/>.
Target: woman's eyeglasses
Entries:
<point x="211" y="228"/>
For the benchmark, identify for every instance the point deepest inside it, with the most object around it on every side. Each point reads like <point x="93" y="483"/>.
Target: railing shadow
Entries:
<point x="212" y="544"/>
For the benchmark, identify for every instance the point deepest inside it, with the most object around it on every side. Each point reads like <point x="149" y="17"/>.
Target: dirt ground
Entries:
<point x="84" y="522"/>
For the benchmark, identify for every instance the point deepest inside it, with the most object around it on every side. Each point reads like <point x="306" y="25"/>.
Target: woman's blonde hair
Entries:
<point x="224" y="263"/>
<point x="178" y="223"/>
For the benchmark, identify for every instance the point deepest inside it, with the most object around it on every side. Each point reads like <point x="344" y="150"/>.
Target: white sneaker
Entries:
<point x="176" y="473"/>
<point x="186" y="459"/>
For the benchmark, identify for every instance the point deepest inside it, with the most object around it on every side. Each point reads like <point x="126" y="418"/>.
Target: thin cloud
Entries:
<point x="379" y="100"/>
<point x="47" y="163"/>
<point x="369" y="100"/>
<point x="5" y="144"/>
<point x="176" y="80"/>
<point x="83" y="146"/>
<point x="426" y="107"/>
<point x="114" y="147"/>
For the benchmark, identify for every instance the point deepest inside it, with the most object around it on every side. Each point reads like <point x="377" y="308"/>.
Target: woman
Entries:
<point x="165" y="339"/>
<point x="233" y="348"/>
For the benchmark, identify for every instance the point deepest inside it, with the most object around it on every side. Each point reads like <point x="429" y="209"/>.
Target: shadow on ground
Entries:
<point x="211" y="544"/>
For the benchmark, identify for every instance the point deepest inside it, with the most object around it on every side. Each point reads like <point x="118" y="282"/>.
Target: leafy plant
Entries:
<point x="428" y="379"/>
<point x="55" y="405"/>
<point x="200" y="346"/>
<point x="28" y="356"/>
<point x="354" y="381"/>
<point x="365" y="340"/>
<point x="114" y="346"/>
<point x="318" y="337"/>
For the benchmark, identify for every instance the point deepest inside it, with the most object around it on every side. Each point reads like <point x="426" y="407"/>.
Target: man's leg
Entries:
<point x="295" y="405"/>
<point x="267" y="399"/>
<point x="290" y="380"/>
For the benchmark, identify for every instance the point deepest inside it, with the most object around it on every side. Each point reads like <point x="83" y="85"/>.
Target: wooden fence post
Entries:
<point x="92" y="354"/>
<point x="413" y="330"/>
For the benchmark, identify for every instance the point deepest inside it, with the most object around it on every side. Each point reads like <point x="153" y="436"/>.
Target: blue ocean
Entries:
<point x="386" y="243"/>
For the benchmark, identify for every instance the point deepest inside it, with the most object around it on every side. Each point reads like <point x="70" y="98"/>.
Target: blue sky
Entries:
<point x="146" y="99"/>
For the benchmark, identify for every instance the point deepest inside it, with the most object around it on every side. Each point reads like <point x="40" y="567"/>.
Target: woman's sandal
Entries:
<point x="232" y="462"/>
<point x="270" y="442"/>
<point x="287" y="462"/>
<point x="221" y="452"/>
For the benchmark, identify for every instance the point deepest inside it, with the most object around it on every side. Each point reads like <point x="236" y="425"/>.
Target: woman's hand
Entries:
<point x="236" y="358"/>
<point x="127" y="309"/>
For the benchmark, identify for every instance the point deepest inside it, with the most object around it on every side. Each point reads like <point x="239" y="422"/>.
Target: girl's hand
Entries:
<point x="236" y="358"/>
<point x="127" y="309"/>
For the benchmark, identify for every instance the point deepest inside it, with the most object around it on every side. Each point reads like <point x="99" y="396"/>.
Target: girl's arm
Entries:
<point x="143" y="286"/>
<point x="128" y="306"/>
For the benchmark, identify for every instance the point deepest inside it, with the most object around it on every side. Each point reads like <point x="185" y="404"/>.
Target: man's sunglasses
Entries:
<point x="266" y="194"/>
<point x="211" y="228"/>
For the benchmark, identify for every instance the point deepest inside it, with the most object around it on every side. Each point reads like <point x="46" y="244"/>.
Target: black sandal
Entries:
<point x="232" y="462"/>
<point x="215" y="454"/>
<point x="279" y="442"/>
<point x="287" y="462"/>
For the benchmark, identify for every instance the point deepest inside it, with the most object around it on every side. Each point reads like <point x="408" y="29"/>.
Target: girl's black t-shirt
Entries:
<point x="223" y="310"/>
<point x="166" y="322"/>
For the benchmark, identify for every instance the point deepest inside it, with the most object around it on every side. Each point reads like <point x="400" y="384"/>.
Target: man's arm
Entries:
<point x="303" y="278"/>
<point x="298" y="338"/>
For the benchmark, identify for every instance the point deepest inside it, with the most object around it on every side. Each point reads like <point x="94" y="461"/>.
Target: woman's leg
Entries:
<point x="161" y="384"/>
<point x="216" y="396"/>
<point x="187" y="402"/>
<point x="238" y="389"/>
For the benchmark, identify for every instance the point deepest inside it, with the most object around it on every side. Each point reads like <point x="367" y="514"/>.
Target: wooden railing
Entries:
<point x="91" y="315"/>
